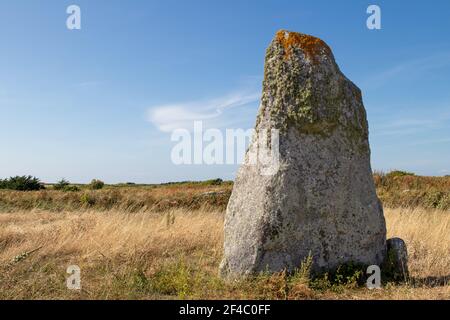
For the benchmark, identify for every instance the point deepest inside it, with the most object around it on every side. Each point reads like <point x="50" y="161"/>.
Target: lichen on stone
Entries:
<point x="312" y="97"/>
<point x="312" y="46"/>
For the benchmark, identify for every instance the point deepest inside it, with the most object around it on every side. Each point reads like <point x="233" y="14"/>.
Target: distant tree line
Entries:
<point x="30" y="183"/>
<point x="23" y="183"/>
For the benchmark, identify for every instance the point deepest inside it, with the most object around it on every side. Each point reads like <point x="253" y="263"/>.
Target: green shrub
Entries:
<point x="71" y="188"/>
<point x="61" y="185"/>
<point x="399" y="173"/>
<point x="350" y="275"/>
<point x="64" y="185"/>
<point x="87" y="200"/>
<point x="173" y="279"/>
<point x="96" y="184"/>
<point x="214" y="182"/>
<point x="437" y="199"/>
<point x="139" y="282"/>
<point x="23" y="183"/>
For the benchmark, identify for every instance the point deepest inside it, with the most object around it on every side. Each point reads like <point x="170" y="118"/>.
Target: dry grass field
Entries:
<point x="165" y="242"/>
<point x="175" y="254"/>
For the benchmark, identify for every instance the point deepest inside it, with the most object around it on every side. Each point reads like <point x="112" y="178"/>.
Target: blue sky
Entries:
<point x="95" y="102"/>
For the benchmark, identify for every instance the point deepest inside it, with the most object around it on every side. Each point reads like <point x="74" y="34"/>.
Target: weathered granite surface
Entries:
<point x="322" y="200"/>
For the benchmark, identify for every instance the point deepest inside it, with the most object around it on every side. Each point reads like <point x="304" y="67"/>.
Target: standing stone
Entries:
<point x="321" y="200"/>
<point x="396" y="264"/>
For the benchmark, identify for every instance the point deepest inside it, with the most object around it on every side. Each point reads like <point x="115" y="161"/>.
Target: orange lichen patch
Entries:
<point x="312" y="46"/>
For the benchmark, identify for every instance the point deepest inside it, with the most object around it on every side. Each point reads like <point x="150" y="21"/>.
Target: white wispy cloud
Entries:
<point x="182" y="115"/>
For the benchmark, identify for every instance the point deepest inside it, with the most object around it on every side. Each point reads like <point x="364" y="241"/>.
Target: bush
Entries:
<point x="398" y="173"/>
<point x="61" y="185"/>
<point x="96" y="184"/>
<point x="437" y="199"/>
<point x="23" y="183"/>
<point x="214" y="182"/>
<point x="87" y="200"/>
<point x="173" y="279"/>
<point x="65" y="186"/>
<point x="71" y="189"/>
<point x="350" y="275"/>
